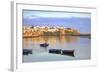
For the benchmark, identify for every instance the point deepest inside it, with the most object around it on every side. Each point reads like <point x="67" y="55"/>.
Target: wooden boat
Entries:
<point x="62" y="52"/>
<point x="27" y="51"/>
<point x="68" y="52"/>
<point x="56" y="51"/>
<point x="44" y="45"/>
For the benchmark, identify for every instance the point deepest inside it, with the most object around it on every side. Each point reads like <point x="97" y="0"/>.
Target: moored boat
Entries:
<point x="27" y="51"/>
<point x="44" y="45"/>
<point x="55" y="51"/>
<point x="68" y="52"/>
<point x="62" y="52"/>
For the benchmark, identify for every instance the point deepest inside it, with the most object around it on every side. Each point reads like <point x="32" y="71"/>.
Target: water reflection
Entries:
<point x="81" y="45"/>
<point x="55" y="41"/>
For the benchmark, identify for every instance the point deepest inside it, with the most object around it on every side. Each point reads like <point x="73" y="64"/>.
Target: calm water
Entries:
<point x="81" y="45"/>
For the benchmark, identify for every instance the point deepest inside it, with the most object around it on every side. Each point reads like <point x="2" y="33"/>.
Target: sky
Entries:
<point x="76" y="20"/>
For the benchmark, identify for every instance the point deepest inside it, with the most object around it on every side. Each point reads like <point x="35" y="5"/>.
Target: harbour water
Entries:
<point x="81" y="45"/>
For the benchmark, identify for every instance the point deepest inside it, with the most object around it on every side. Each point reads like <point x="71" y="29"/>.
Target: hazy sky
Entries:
<point x="79" y="21"/>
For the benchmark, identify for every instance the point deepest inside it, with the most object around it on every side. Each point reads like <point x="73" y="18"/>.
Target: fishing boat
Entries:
<point x="68" y="52"/>
<point x="27" y="51"/>
<point x="55" y="51"/>
<point x="62" y="52"/>
<point x="44" y="45"/>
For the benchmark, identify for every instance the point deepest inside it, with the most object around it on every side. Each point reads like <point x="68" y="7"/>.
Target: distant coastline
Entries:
<point x="33" y="32"/>
<point x="79" y="35"/>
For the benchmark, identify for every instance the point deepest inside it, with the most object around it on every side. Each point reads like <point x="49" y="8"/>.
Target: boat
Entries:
<point x="27" y="51"/>
<point x="44" y="45"/>
<point x="55" y="51"/>
<point x="68" y="52"/>
<point x="62" y="52"/>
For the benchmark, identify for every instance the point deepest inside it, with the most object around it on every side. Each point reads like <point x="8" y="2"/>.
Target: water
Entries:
<point x="81" y="45"/>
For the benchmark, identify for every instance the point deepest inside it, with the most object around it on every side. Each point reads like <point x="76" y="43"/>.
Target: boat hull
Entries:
<point x="62" y="52"/>
<point x="44" y="45"/>
<point x="27" y="51"/>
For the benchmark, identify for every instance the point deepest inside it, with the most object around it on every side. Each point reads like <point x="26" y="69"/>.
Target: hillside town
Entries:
<point x="35" y="31"/>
